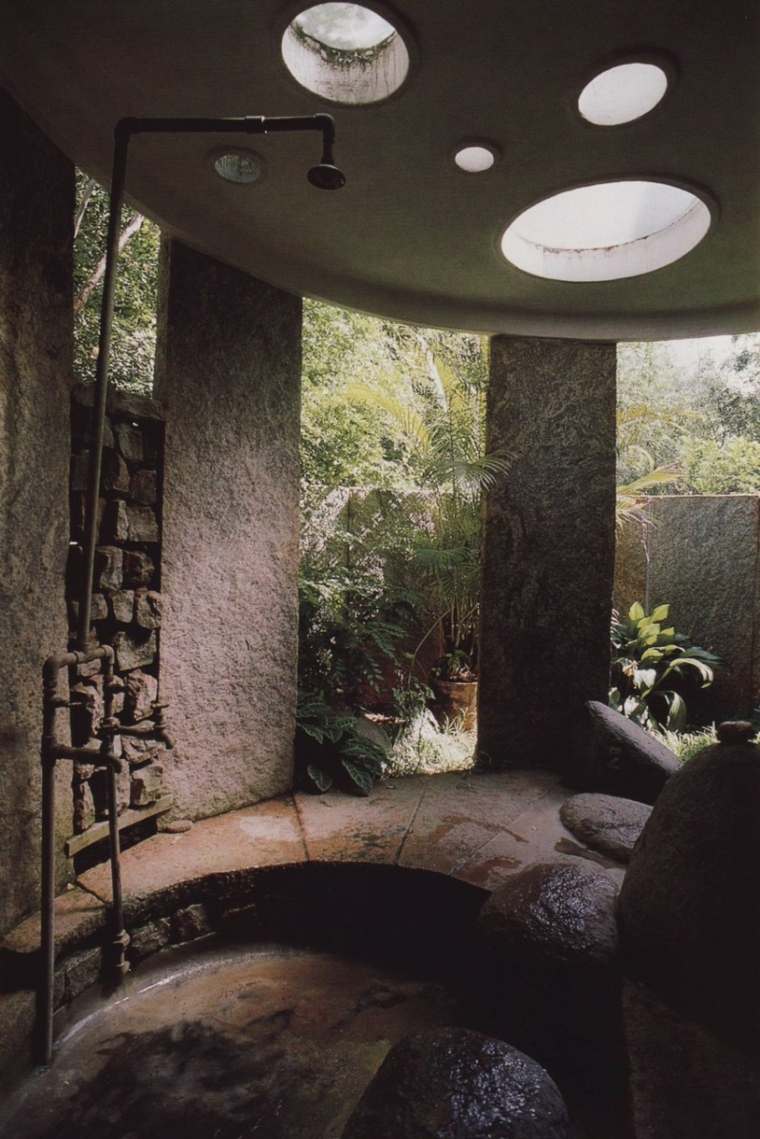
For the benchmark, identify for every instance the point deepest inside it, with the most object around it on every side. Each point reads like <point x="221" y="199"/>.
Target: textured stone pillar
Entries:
<point x="36" y="233"/>
<point x="548" y="548"/>
<point x="228" y="372"/>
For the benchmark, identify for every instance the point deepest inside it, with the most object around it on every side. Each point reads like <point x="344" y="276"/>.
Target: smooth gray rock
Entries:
<point x="451" y="1083"/>
<point x="147" y="785"/>
<point x="548" y="549"/>
<point x="558" y="912"/>
<point x="688" y="915"/>
<point x="633" y="763"/>
<point x="606" y="823"/>
<point x="551" y="976"/>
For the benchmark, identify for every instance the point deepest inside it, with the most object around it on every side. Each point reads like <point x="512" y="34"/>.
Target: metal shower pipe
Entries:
<point x="324" y="176"/>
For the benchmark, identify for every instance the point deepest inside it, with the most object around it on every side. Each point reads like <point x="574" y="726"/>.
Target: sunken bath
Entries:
<point x="272" y="1017"/>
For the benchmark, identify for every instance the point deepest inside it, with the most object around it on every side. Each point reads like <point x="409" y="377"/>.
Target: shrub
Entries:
<point x="647" y="660"/>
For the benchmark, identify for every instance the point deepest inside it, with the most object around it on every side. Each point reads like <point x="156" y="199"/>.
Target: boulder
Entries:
<point x="551" y="976"/>
<point x="115" y="474"/>
<point x="633" y="763"/>
<point x="451" y="1083"/>
<point x="555" y="913"/>
<point x="688" y="916"/>
<point x="606" y="823"/>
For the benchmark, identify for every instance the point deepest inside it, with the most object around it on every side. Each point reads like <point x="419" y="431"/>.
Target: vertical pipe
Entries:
<point x="120" y="936"/>
<point x="121" y="144"/>
<point x="47" y="932"/>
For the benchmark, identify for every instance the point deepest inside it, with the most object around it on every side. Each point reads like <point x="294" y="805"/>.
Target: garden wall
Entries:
<point x="701" y="554"/>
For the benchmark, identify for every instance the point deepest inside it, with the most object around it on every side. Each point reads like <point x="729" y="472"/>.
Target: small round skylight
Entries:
<point x="346" y="53"/>
<point x="239" y="166"/>
<point x="623" y="93"/>
<point x="475" y="159"/>
<point x="606" y="231"/>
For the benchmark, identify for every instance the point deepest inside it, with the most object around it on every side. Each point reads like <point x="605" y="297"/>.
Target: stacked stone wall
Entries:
<point x="126" y="603"/>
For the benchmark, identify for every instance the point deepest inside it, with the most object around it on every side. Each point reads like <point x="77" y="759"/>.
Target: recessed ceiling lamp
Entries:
<point x="346" y="53"/>
<point x="622" y="94"/>
<point x="239" y="165"/>
<point x="606" y="231"/>
<point x="475" y="158"/>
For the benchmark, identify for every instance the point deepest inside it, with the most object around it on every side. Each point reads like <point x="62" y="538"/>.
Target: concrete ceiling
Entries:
<point x="411" y="236"/>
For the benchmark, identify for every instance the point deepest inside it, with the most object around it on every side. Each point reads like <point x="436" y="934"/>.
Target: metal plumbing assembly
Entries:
<point x="325" y="176"/>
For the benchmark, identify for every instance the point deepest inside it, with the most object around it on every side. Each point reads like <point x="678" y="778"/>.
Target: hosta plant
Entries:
<point x="652" y="664"/>
<point x="330" y="749"/>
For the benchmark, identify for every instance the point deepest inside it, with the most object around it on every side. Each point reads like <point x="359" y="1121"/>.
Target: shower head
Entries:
<point x="326" y="176"/>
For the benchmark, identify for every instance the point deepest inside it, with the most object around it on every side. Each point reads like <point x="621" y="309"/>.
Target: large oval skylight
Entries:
<point x="606" y="231"/>
<point x="622" y="93"/>
<point x="347" y="53"/>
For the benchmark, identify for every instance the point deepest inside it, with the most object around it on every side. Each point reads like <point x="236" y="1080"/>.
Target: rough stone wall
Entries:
<point x="228" y="373"/>
<point x="36" y="234"/>
<point x="126" y="607"/>
<point x="548" y="549"/>
<point x="703" y="558"/>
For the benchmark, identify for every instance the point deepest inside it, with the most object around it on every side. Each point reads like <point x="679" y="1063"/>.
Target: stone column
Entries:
<point x="36" y="234"/>
<point x="548" y="549"/>
<point x="228" y="373"/>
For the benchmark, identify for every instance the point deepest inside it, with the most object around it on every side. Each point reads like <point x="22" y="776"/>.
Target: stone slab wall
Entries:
<point x="126" y="607"/>
<point x="228" y="374"/>
<point x="36" y="234"/>
<point x="548" y="549"/>
<point x="701" y="554"/>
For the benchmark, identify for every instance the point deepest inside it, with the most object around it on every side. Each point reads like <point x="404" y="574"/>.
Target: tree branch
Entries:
<point x="87" y="192"/>
<point x="98" y="272"/>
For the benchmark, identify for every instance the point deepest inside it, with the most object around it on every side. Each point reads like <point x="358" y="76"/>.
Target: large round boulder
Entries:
<point x="688" y="914"/>
<point x="606" y="823"/>
<point x="554" y="914"/>
<point x="451" y="1083"/>
<point x="552" y="972"/>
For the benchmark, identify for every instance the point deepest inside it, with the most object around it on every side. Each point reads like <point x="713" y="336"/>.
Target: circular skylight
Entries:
<point x="475" y="159"/>
<point x="344" y="27"/>
<point x="606" y="231"/>
<point x="623" y="93"/>
<point x="239" y="165"/>
<point x="346" y="53"/>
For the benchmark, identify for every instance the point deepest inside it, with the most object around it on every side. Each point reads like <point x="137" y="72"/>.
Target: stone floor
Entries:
<point x="475" y="827"/>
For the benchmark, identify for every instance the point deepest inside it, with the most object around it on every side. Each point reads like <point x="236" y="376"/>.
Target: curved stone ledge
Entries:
<point x="418" y="857"/>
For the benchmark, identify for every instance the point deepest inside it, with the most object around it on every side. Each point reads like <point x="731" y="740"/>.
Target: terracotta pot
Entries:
<point x="457" y="699"/>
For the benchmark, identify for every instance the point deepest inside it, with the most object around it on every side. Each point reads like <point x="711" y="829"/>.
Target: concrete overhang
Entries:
<point x="411" y="236"/>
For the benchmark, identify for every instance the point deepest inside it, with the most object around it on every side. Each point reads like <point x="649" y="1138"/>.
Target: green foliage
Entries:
<point x="330" y="749"/>
<point x="730" y="468"/>
<point x="134" y="332"/>
<point x="699" y="419"/>
<point x="650" y="663"/>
